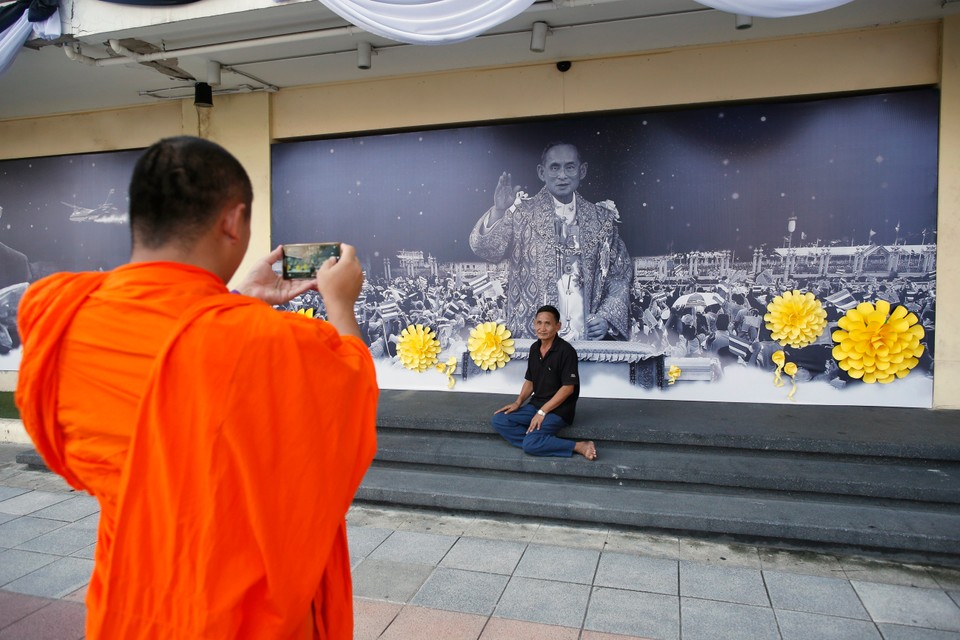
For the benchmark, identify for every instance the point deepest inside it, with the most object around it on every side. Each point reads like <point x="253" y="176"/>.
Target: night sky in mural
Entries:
<point x="718" y="177"/>
<point x="45" y="203"/>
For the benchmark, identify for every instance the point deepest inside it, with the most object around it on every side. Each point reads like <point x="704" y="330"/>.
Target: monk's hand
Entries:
<point x="264" y="283"/>
<point x="597" y="327"/>
<point x="535" y="422"/>
<point x="339" y="283"/>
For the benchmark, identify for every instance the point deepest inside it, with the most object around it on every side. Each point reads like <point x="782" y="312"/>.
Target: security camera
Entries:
<point x="564" y="65"/>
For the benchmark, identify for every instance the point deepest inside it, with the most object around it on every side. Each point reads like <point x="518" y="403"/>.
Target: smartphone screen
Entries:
<point x="301" y="261"/>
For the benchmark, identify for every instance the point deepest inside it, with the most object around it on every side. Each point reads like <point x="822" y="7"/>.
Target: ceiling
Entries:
<point x="44" y="81"/>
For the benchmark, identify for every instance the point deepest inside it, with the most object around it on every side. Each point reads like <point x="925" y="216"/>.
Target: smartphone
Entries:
<point x="301" y="261"/>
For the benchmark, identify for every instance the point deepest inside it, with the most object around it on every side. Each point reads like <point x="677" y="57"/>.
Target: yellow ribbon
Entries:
<point x="778" y="358"/>
<point x="673" y="373"/>
<point x="305" y="311"/>
<point x="791" y="370"/>
<point x="448" y="370"/>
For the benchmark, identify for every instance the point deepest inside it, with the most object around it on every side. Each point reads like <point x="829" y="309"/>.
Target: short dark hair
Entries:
<point x="178" y="187"/>
<point x="549" y="308"/>
<point x="557" y="143"/>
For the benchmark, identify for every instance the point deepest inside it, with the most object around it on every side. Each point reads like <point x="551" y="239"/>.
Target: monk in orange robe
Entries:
<point x="223" y="439"/>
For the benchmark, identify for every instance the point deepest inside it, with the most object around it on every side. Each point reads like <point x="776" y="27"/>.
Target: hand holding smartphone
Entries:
<point x="301" y="261"/>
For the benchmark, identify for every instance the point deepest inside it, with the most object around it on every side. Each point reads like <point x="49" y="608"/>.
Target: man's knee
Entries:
<point x="533" y="444"/>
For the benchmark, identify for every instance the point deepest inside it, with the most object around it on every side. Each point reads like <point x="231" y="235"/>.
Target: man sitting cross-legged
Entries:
<point x="552" y="384"/>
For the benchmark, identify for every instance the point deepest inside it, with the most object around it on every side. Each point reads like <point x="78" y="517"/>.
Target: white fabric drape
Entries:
<point x="427" y="21"/>
<point x="11" y="40"/>
<point x="773" y="8"/>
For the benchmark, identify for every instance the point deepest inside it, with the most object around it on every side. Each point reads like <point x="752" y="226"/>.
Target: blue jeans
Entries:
<point x="539" y="442"/>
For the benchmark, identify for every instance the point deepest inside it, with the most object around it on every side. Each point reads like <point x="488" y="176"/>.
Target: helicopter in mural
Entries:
<point x="105" y="213"/>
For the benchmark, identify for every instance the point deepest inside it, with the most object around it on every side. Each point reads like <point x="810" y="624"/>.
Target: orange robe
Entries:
<point x="224" y="441"/>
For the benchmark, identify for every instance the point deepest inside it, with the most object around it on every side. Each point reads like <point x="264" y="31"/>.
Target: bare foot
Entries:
<point x="587" y="449"/>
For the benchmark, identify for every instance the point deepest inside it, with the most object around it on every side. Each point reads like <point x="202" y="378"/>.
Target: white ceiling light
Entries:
<point x="773" y="8"/>
<point x="538" y="37"/>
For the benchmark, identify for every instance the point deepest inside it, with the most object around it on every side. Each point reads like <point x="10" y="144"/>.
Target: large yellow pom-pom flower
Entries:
<point x="418" y="348"/>
<point x="490" y="345"/>
<point x="875" y="348"/>
<point x="795" y="319"/>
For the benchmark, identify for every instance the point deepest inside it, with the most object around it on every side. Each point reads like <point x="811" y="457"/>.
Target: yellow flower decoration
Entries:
<point x="778" y="358"/>
<point x="795" y="318"/>
<point x="673" y="373"/>
<point x="305" y="311"/>
<point x="875" y="348"/>
<point x="418" y="348"/>
<point x="448" y="370"/>
<point x="790" y="369"/>
<point x="490" y="345"/>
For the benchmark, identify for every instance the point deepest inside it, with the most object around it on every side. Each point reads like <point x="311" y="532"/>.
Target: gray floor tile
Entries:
<point x="558" y="563"/>
<point x="63" y="541"/>
<point x="86" y="552"/>
<point x="709" y="620"/>
<point x="414" y="547"/>
<point x="9" y="492"/>
<point x="54" y="580"/>
<point x="479" y="554"/>
<point x="91" y="522"/>
<point x="898" y="632"/>
<point x="386" y="580"/>
<point x="544" y="601"/>
<point x="70" y="510"/>
<point x="634" y="613"/>
<point x="463" y="591"/>
<point x="16" y="564"/>
<point x="813" y="594"/>
<point x="729" y="584"/>
<point x="955" y="596"/>
<point x="27" y="503"/>
<point x="363" y="540"/>
<point x="19" y="530"/>
<point x="909" y="606"/>
<point x="637" y="573"/>
<point x="796" y="625"/>
<point x="7" y="517"/>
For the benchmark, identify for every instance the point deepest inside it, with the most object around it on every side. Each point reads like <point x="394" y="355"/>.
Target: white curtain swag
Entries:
<point x="427" y="21"/>
<point x="773" y="8"/>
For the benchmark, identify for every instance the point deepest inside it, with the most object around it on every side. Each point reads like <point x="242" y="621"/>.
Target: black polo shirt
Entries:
<point x="548" y="374"/>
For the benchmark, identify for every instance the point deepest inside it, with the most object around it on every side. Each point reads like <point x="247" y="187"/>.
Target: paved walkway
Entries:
<point x="426" y="576"/>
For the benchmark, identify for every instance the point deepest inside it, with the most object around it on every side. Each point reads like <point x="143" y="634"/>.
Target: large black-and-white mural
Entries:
<point x="63" y="213"/>
<point x="683" y="247"/>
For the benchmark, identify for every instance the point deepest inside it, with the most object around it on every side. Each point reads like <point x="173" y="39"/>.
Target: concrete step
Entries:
<point x="901" y="479"/>
<point x="843" y="430"/>
<point x="780" y="517"/>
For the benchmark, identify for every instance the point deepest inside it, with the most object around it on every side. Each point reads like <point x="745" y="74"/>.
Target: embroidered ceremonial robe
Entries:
<point x="224" y="441"/>
<point x="527" y="239"/>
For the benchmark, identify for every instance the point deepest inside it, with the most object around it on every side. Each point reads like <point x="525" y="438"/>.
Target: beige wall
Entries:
<point x="841" y="62"/>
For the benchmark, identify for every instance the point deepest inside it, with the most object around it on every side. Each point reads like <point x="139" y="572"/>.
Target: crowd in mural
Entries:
<point x="713" y="316"/>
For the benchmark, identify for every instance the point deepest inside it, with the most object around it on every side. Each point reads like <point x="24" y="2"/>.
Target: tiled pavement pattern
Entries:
<point x="425" y="576"/>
